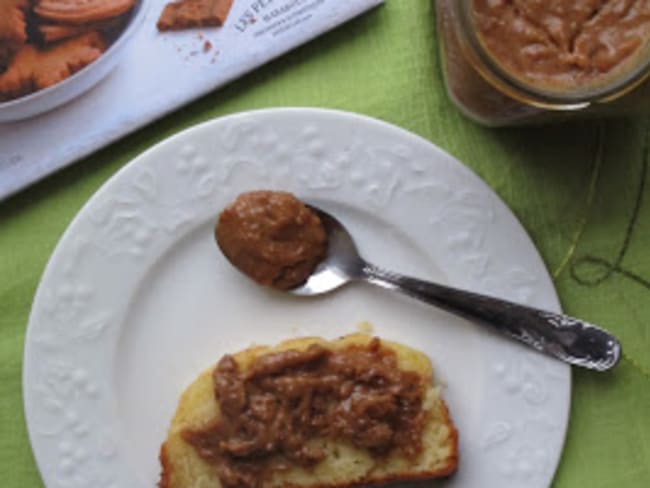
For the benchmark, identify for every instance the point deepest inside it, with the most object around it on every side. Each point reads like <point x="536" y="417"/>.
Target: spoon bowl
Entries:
<point x="342" y="263"/>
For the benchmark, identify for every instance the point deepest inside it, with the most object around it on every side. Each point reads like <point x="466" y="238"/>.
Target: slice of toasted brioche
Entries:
<point x="344" y="465"/>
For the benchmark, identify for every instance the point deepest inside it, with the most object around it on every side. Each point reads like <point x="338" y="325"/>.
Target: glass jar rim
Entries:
<point x="530" y="94"/>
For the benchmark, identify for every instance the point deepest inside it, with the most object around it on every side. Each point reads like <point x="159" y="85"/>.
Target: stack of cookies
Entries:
<point x="43" y="42"/>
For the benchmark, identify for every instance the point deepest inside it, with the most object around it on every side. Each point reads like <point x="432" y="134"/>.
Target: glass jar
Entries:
<point x="488" y="94"/>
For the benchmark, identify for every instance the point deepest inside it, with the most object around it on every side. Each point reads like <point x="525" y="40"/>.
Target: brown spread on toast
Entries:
<point x="274" y="414"/>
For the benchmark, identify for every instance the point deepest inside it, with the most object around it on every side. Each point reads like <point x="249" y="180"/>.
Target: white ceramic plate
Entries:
<point x="136" y="300"/>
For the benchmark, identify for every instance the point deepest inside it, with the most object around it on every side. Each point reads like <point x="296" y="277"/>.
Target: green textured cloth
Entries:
<point x="580" y="191"/>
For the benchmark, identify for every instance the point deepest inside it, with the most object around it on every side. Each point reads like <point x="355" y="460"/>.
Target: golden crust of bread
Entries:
<point x="345" y="465"/>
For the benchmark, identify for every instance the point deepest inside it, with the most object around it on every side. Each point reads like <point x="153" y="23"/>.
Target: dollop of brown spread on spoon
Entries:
<point x="272" y="237"/>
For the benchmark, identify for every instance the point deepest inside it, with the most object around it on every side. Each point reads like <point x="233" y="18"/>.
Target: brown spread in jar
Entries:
<point x="560" y="44"/>
<point x="272" y="237"/>
<point x="274" y="413"/>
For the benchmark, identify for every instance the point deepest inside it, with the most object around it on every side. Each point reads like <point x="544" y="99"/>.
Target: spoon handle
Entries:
<point x="566" y="338"/>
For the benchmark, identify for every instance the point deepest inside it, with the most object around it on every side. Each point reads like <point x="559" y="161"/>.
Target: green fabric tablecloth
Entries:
<point x="581" y="191"/>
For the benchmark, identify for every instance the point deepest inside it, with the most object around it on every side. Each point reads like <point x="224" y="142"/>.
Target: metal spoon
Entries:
<point x="563" y="337"/>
